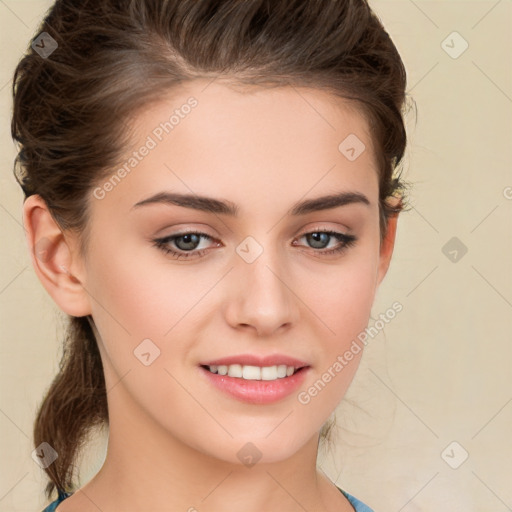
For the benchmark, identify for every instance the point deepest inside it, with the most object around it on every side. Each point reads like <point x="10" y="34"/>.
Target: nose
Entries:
<point x="262" y="296"/>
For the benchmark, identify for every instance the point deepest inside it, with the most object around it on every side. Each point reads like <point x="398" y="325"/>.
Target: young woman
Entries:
<point x="211" y="196"/>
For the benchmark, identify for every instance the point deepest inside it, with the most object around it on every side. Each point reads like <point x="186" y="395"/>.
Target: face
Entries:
<point x="178" y="289"/>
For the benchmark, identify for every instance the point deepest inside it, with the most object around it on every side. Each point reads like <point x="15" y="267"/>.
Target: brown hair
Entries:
<point x="115" y="56"/>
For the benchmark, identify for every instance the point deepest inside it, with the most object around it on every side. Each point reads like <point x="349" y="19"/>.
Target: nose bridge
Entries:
<point x="263" y="298"/>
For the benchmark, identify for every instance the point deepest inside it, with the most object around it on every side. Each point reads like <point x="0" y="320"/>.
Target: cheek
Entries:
<point x="135" y="305"/>
<point x="343" y="307"/>
<point x="136" y="300"/>
<point x="126" y="305"/>
<point x="343" y="299"/>
<point x="141" y="298"/>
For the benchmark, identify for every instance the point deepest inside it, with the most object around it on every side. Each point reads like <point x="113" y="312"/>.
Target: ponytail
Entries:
<point x="75" y="402"/>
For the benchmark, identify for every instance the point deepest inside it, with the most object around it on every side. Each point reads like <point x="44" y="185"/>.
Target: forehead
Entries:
<point x="222" y="108"/>
<point x="247" y="144"/>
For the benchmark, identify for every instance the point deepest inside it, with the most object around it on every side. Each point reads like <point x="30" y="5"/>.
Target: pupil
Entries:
<point x="189" y="238"/>
<point x="317" y="239"/>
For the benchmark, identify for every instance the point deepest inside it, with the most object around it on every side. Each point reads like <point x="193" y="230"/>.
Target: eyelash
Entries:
<point x="162" y="243"/>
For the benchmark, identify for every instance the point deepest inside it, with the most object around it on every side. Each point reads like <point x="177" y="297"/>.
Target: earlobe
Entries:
<point x="54" y="258"/>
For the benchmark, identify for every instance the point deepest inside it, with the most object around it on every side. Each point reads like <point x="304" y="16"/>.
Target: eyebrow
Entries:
<point x="223" y="207"/>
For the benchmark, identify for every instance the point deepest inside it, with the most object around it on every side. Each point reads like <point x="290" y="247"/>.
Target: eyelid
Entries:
<point x="183" y="231"/>
<point x="322" y="227"/>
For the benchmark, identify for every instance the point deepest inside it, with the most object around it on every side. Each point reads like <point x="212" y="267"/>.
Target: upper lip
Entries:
<point x="255" y="360"/>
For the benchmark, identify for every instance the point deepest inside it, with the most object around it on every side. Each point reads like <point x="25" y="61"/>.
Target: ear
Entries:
<point x="55" y="258"/>
<point x="388" y="244"/>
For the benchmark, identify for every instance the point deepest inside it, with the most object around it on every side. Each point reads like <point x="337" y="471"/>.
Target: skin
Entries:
<point x="173" y="438"/>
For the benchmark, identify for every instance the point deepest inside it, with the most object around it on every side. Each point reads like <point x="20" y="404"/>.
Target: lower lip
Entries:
<point x="257" y="391"/>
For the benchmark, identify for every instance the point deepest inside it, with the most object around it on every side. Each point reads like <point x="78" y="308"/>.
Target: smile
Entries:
<point x="249" y="372"/>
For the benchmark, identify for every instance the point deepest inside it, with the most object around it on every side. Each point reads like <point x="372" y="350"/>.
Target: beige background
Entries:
<point x="441" y="370"/>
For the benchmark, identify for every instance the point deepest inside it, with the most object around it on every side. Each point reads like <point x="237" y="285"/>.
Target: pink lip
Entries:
<point x="255" y="360"/>
<point x="256" y="391"/>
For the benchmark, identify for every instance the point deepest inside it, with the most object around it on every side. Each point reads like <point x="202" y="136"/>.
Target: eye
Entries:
<point x="319" y="239"/>
<point x="187" y="243"/>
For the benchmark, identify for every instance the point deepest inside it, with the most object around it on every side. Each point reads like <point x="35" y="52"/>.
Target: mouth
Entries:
<point x="256" y="379"/>
<point x="252" y="372"/>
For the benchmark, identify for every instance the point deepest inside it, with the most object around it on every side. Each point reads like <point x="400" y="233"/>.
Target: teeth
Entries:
<point x="235" y="370"/>
<point x="249" y="372"/>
